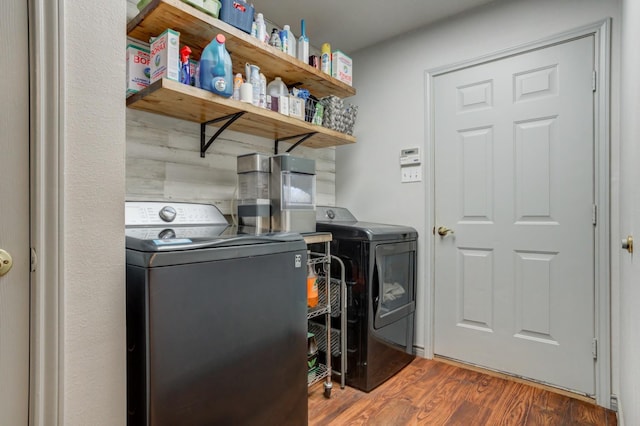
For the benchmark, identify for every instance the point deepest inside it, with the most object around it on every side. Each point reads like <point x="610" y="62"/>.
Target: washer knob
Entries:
<point x="331" y="214"/>
<point x="167" y="213"/>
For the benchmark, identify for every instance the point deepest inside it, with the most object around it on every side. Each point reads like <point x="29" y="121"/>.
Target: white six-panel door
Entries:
<point x="514" y="180"/>
<point x="14" y="212"/>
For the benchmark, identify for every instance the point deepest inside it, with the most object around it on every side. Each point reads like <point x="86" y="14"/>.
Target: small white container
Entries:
<point x="246" y="93"/>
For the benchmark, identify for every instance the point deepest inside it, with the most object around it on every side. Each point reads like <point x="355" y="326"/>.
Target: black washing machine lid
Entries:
<point x="163" y="239"/>
<point x="159" y="252"/>
<point x="342" y="224"/>
<point x="164" y="226"/>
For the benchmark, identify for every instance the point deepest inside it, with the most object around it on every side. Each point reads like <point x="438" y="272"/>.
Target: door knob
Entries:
<point x="627" y="244"/>
<point x="443" y="231"/>
<point x="6" y="262"/>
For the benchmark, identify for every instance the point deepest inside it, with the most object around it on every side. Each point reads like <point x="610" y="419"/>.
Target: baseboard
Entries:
<point x="619" y="413"/>
<point x="419" y="352"/>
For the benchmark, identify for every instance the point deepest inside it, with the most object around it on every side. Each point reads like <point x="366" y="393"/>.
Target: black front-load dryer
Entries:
<point x="380" y="271"/>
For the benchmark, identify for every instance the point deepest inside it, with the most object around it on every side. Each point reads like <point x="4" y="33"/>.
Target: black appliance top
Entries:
<point x="342" y="224"/>
<point x="167" y="226"/>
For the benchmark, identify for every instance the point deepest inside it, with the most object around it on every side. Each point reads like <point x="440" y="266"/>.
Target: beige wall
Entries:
<point x="92" y="298"/>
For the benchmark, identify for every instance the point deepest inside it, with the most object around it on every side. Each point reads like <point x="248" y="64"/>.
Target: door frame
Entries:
<point x="46" y="76"/>
<point x="602" y="331"/>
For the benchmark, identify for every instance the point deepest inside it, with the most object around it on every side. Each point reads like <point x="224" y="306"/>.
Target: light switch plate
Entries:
<point x="411" y="174"/>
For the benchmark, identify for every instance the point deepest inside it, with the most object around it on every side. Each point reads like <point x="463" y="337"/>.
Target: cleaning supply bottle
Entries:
<point x="261" y="29"/>
<point x="277" y="90"/>
<point x="303" y="43"/>
<point x="263" y="91"/>
<point x="255" y="82"/>
<point x="312" y="288"/>
<point x="237" y="82"/>
<point x="247" y="72"/>
<point x="274" y="40"/>
<point x="291" y="40"/>
<point x="185" y="67"/>
<point x="284" y="41"/>
<point x="325" y="58"/>
<point x="216" y="74"/>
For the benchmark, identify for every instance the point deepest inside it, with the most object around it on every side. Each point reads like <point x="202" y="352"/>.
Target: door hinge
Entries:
<point x="594" y="348"/>
<point x="614" y="403"/>
<point x="34" y="259"/>
<point x="594" y="80"/>
<point x="594" y="214"/>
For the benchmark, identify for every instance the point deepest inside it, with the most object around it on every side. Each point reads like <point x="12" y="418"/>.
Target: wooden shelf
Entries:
<point x="197" y="29"/>
<point x="317" y="237"/>
<point x="174" y="99"/>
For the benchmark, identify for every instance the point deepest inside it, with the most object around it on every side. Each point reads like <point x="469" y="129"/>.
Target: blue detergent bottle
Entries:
<point x="216" y="74"/>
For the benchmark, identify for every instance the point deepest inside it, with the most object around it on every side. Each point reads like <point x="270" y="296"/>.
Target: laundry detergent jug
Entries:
<point x="216" y="74"/>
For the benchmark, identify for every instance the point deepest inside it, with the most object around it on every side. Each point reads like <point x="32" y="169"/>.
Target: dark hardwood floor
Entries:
<point x="431" y="392"/>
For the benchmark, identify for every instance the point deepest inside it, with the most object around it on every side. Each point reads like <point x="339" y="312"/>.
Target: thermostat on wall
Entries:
<point x="410" y="157"/>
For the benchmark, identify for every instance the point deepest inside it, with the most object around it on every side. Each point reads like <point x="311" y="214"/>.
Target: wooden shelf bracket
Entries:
<point x="229" y="120"/>
<point x="303" y="137"/>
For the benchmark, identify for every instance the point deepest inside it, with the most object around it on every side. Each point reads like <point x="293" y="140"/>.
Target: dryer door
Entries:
<point x="394" y="281"/>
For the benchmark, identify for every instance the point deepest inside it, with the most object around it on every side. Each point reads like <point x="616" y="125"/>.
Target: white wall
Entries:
<point x="630" y="215"/>
<point x="92" y="312"/>
<point x="389" y="79"/>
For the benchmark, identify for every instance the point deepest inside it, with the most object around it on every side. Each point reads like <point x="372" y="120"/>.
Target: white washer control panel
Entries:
<point x="150" y="213"/>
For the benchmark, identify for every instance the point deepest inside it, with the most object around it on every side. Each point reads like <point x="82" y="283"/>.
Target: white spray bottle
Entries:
<point x="291" y="40"/>
<point x="303" y="44"/>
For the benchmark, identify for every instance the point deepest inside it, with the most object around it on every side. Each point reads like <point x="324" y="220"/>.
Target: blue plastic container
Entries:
<point x="216" y="73"/>
<point x="237" y="13"/>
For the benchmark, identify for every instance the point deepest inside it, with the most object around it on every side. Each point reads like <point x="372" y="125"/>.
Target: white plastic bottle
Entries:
<point x="278" y="91"/>
<point x="303" y="44"/>
<point x="284" y="41"/>
<point x="263" y="91"/>
<point x="261" y="29"/>
<point x="255" y="83"/>
<point x="291" y="50"/>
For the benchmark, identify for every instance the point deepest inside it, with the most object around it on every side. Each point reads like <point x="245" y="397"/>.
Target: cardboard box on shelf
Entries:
<point x="165" y="57"/>
<point x="342" y="67"/>
<point x="296" y="107"/>
<point x="283" y="105"/>
<point x="138" y="68"/>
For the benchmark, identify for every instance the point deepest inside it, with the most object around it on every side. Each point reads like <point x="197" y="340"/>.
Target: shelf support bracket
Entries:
<point x="303" y="137"/>
<point x="229" y="119"/>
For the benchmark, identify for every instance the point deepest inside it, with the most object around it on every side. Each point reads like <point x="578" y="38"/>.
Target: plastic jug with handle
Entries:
<point x="216" y="74"/>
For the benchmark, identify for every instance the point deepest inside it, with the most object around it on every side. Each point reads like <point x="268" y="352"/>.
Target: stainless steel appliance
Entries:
<point x="254" y="205"/>
<point x="293" y="193"/>
<point x="216" y="320"/>
<point x="380" y="270"/>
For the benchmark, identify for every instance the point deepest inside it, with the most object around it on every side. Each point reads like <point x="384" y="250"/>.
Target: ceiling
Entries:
<point x="350" y="25"/>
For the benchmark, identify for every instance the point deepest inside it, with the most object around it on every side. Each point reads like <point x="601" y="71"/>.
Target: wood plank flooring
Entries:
<point x="430" y="392"/>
